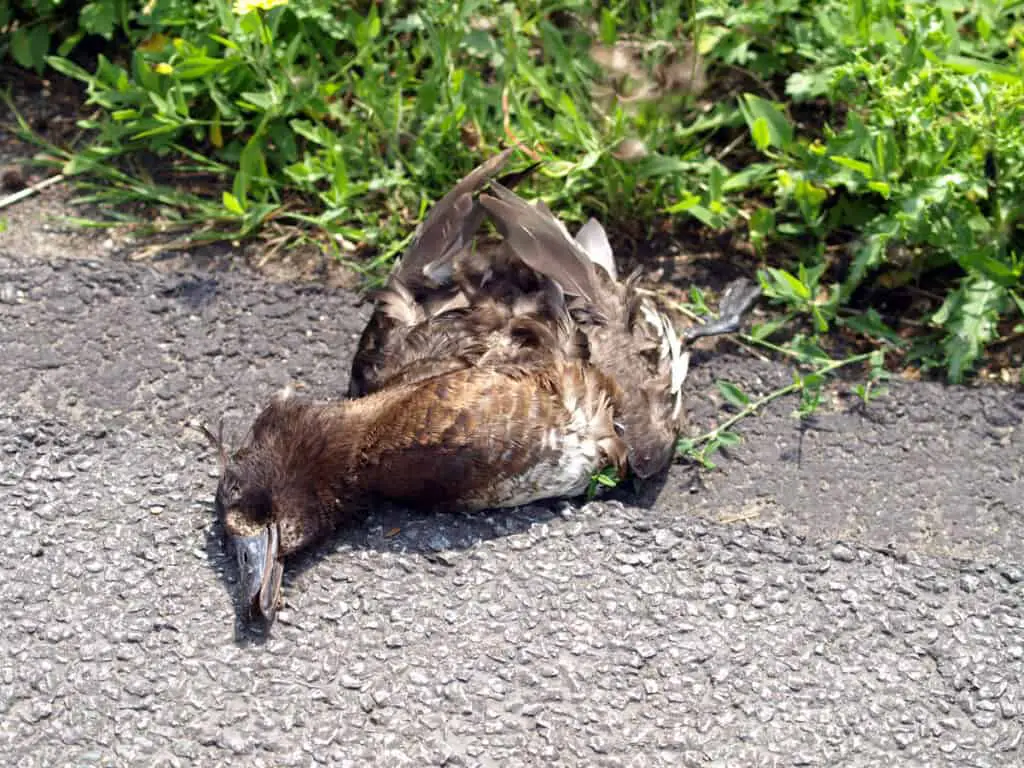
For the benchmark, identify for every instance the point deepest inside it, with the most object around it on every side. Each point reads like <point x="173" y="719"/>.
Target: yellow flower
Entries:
<point x="164" y="68"/>
<point x="242" y="7"/>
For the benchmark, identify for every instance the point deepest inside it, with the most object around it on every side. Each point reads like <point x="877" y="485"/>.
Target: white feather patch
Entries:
<point x="592" y="239"/>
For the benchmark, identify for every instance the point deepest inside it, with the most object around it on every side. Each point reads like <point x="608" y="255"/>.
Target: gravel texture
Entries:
<point x="844" y="592"/>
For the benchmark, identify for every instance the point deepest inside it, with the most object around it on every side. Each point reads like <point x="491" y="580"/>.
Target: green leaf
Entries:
<point x="766" y="121"/>
<point x="969" y="315"/>
<point x="705" y="216"/>
<point x="263" y="100"/>
<point x="812" y="381"/>
<point x="683" y="205"/>
<point x="988" y="265"/>
<point x="250" y="23"/>
<point x="225" y="42"/>
<point x="685" y="445"/>
<point x="69" y="68"/>
<point x="972" y="66"/>
<point x="762" y="222"/>
<point x="750" y="177"/>
<point x="807" y="85"/>
<point x="784" y="285"/>
<point x="252" y="166"/>
<point x="231" y="204"/>
<point x="760" y="133"/>
<point x="143" y="74"/>
<point x="820" y="321"/>
<point x="197" y="67"/>
<point x="315" y="133"/>
<point x="864" y="169"/>
<point x="163" y="106"/>
<point x="697" y="300"/>
<point x="29" y="46"/>
<point x="98" y="18"/>
<point x="725" y="439"/>
<point x="340" y="183"/>
<point x="608" y="26"/>
<point x="69" y="42"/>
<point x="368" y="29"/>
<point x="733" y="394"/>
<point x="762" y="331"/>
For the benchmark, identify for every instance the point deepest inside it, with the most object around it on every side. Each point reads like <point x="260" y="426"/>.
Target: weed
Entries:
<point x="807" y="385"/>
<point x="814" y="367"/>
<point x="606" y="478"/>
<point x="864" y="148"/>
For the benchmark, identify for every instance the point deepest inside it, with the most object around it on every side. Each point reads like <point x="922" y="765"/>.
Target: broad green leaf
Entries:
<point x="98" y="18"/>
<point x="231" y="204"/>
<point x="762" y="331"/>
<point x="812" y="380"/>
<point x="761" y="134"/>
<point x="752" y="176"/>
<point x="786" y="284"/>
<point x="197" y="67"/>
<point x="767" y="120"/>
<point x="263" y="100"/>
<point x="145" y="77"/>
<point x="685" y="205"/>
<point x="29" y="46"/>
<point x="725" y="439"/>
<point x="733" y="394"/>
<point x="608" y="26"/>
<point x="313" y="132"/>
<point x="704" y="216"/>
<point x="864" y="169"/>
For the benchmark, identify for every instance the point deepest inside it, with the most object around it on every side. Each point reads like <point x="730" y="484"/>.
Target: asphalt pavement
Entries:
<point x="840" y="592"/>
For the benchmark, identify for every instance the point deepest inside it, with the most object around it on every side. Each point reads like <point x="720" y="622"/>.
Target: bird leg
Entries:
<point x="737" y="299"/>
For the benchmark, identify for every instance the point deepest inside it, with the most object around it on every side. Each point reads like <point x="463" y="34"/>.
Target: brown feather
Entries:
<point x="452" y="223"/>
<point x="541" y="243"/>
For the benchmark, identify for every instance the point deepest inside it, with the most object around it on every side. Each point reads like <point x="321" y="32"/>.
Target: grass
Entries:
<point x="871" y="154"/>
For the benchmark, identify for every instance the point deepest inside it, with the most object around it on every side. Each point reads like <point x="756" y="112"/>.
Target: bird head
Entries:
<point x="275" y="496"/>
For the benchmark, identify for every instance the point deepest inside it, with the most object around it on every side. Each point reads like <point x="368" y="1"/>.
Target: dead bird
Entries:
<point x="485" y="378"/>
